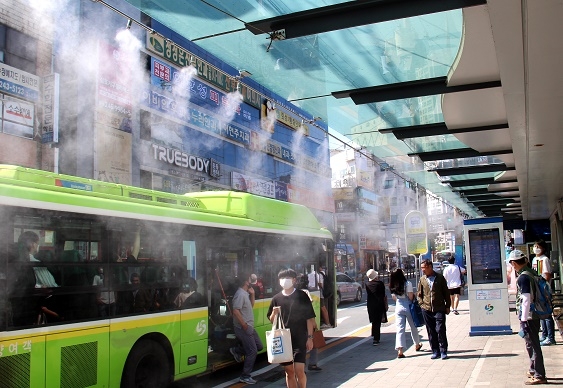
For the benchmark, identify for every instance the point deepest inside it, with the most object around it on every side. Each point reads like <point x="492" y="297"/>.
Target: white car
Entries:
<point x="437" y="266"/>
<point x="347" y="288"/>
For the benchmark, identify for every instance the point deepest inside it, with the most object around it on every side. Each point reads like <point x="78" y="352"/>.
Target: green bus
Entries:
<point x="107" y="285"/>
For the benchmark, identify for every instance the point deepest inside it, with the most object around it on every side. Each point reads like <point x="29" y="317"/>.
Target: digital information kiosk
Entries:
<point x="486" y="277"/>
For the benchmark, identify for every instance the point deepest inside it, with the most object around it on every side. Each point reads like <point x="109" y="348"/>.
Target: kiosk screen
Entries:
<point x="485" y="256"/>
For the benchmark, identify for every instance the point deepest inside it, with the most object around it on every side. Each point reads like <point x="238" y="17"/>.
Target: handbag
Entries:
<point x="416" y="313"/>
<point x="318" y="339"/>
<point x="278" y="343"/>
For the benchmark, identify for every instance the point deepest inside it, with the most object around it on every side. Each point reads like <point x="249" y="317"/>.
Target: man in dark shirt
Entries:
<point x="434" y="299"/>
<point x="297" y="314"/>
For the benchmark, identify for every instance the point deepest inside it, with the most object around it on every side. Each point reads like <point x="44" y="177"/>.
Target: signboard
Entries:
<point x="113" y="156"/>
<point x="252" y="185"/>
<point x="181" y="57"/>
<point x="50" y="128"/>
<point x="114" y="80"/>
<point x="415" y="233"/>
<point x="19" y="117"/>
<point x="271" y="111"/>
<point x="19" y="112"/>
<point x="184" y="160"/>
<point x="19" y="83"/>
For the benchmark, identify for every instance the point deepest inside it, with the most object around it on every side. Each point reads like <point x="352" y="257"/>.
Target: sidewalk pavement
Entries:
<point x="479" y="361"/>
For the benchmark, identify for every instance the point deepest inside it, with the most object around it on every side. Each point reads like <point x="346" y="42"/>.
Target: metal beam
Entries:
<point x="435" y="129"/>
<point x="484" y="197"/>
<point x="352" y="14"/>
<point x="472" y="192"/>
<point x="409" y="89"/>
<point x="456" y="154"/>
<point x="494" y="201"/>
<point x="472" y="169"/>
<point x="478" y="182"/>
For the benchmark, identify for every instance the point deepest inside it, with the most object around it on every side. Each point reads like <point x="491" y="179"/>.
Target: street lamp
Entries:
<point x="398" y="237"/>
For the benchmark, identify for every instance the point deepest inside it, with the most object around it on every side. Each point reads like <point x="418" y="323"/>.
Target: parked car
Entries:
<point x="437" y="266"/>
<point x="347" y="288"/>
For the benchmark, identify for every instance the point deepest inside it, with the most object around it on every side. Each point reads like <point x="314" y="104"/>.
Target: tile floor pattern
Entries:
<point x="478" y="361"/>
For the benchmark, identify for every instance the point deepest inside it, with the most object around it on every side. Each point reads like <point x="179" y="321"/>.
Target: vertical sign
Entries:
<point x="415" y="233"/>
<point x="50" y="128"/>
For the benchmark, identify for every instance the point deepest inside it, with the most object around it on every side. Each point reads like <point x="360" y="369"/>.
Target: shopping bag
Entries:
<point x="278" y="343"/>
<point x="416" y="313"/>
<point x="318" y="339"/>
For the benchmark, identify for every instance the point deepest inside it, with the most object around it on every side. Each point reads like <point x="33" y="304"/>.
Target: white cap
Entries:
<point x="516" y="255"/>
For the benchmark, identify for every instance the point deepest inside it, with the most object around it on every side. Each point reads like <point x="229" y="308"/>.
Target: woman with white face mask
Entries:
<point x="296" y="311"/>
<point x="541" y="265"/>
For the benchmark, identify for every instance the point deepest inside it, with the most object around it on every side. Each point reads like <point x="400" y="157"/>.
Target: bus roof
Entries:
<point x="241" y="208"/>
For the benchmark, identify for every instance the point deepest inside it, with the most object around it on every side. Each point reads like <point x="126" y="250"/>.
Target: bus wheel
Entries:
<point x="147" y="366"/>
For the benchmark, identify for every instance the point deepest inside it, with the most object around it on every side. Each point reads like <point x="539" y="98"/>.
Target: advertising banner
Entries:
<point x="415" y="233"/>
<point x="112" y="162"/>
<point x="253" y="185"/>
<point x="114" y="80"/>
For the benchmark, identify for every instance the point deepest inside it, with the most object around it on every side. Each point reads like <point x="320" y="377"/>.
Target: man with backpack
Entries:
<point x="529" y="319"/>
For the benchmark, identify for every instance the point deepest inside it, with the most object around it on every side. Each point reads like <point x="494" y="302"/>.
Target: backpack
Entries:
<point x="541" y="296"/>
<point x="327" y="286"/>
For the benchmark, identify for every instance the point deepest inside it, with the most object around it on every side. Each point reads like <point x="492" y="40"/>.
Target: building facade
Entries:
<point x="145" y="107"/>
<point x="371" y="202"/>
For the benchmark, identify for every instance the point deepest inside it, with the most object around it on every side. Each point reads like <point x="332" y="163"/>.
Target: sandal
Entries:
<point x="400" y="356"/>
<point x="536" y="381"/>
<point x="418" y="347"/>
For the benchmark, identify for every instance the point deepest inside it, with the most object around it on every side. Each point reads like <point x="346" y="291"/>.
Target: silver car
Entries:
<point x="347" y="288"/>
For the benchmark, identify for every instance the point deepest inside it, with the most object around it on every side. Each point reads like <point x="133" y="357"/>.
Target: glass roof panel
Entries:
<point x="307" y="70"/>
<point x="463" y="177"/>
<point x="463" y="162"/>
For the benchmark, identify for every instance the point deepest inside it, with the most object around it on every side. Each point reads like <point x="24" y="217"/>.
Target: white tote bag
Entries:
<point x="278" y="343"/>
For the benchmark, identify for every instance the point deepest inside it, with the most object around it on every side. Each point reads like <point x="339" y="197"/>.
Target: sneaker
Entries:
<point x="247" y="380"/>
<point x="444" y="356"/>
<point x="375" y="343"/>
<point x="455" y="312"/>
<point x="543" y="339"/>
<point x="314" y="367"/>
<point x="536" y="381"/>
<point x="546" y="342"/>
<point x="435" y="356"/>
<point x="326" y="326"/>
<point x="237" y="357"/>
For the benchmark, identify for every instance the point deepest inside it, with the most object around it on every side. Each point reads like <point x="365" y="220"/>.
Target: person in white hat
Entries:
<point x="375" y="290"/>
